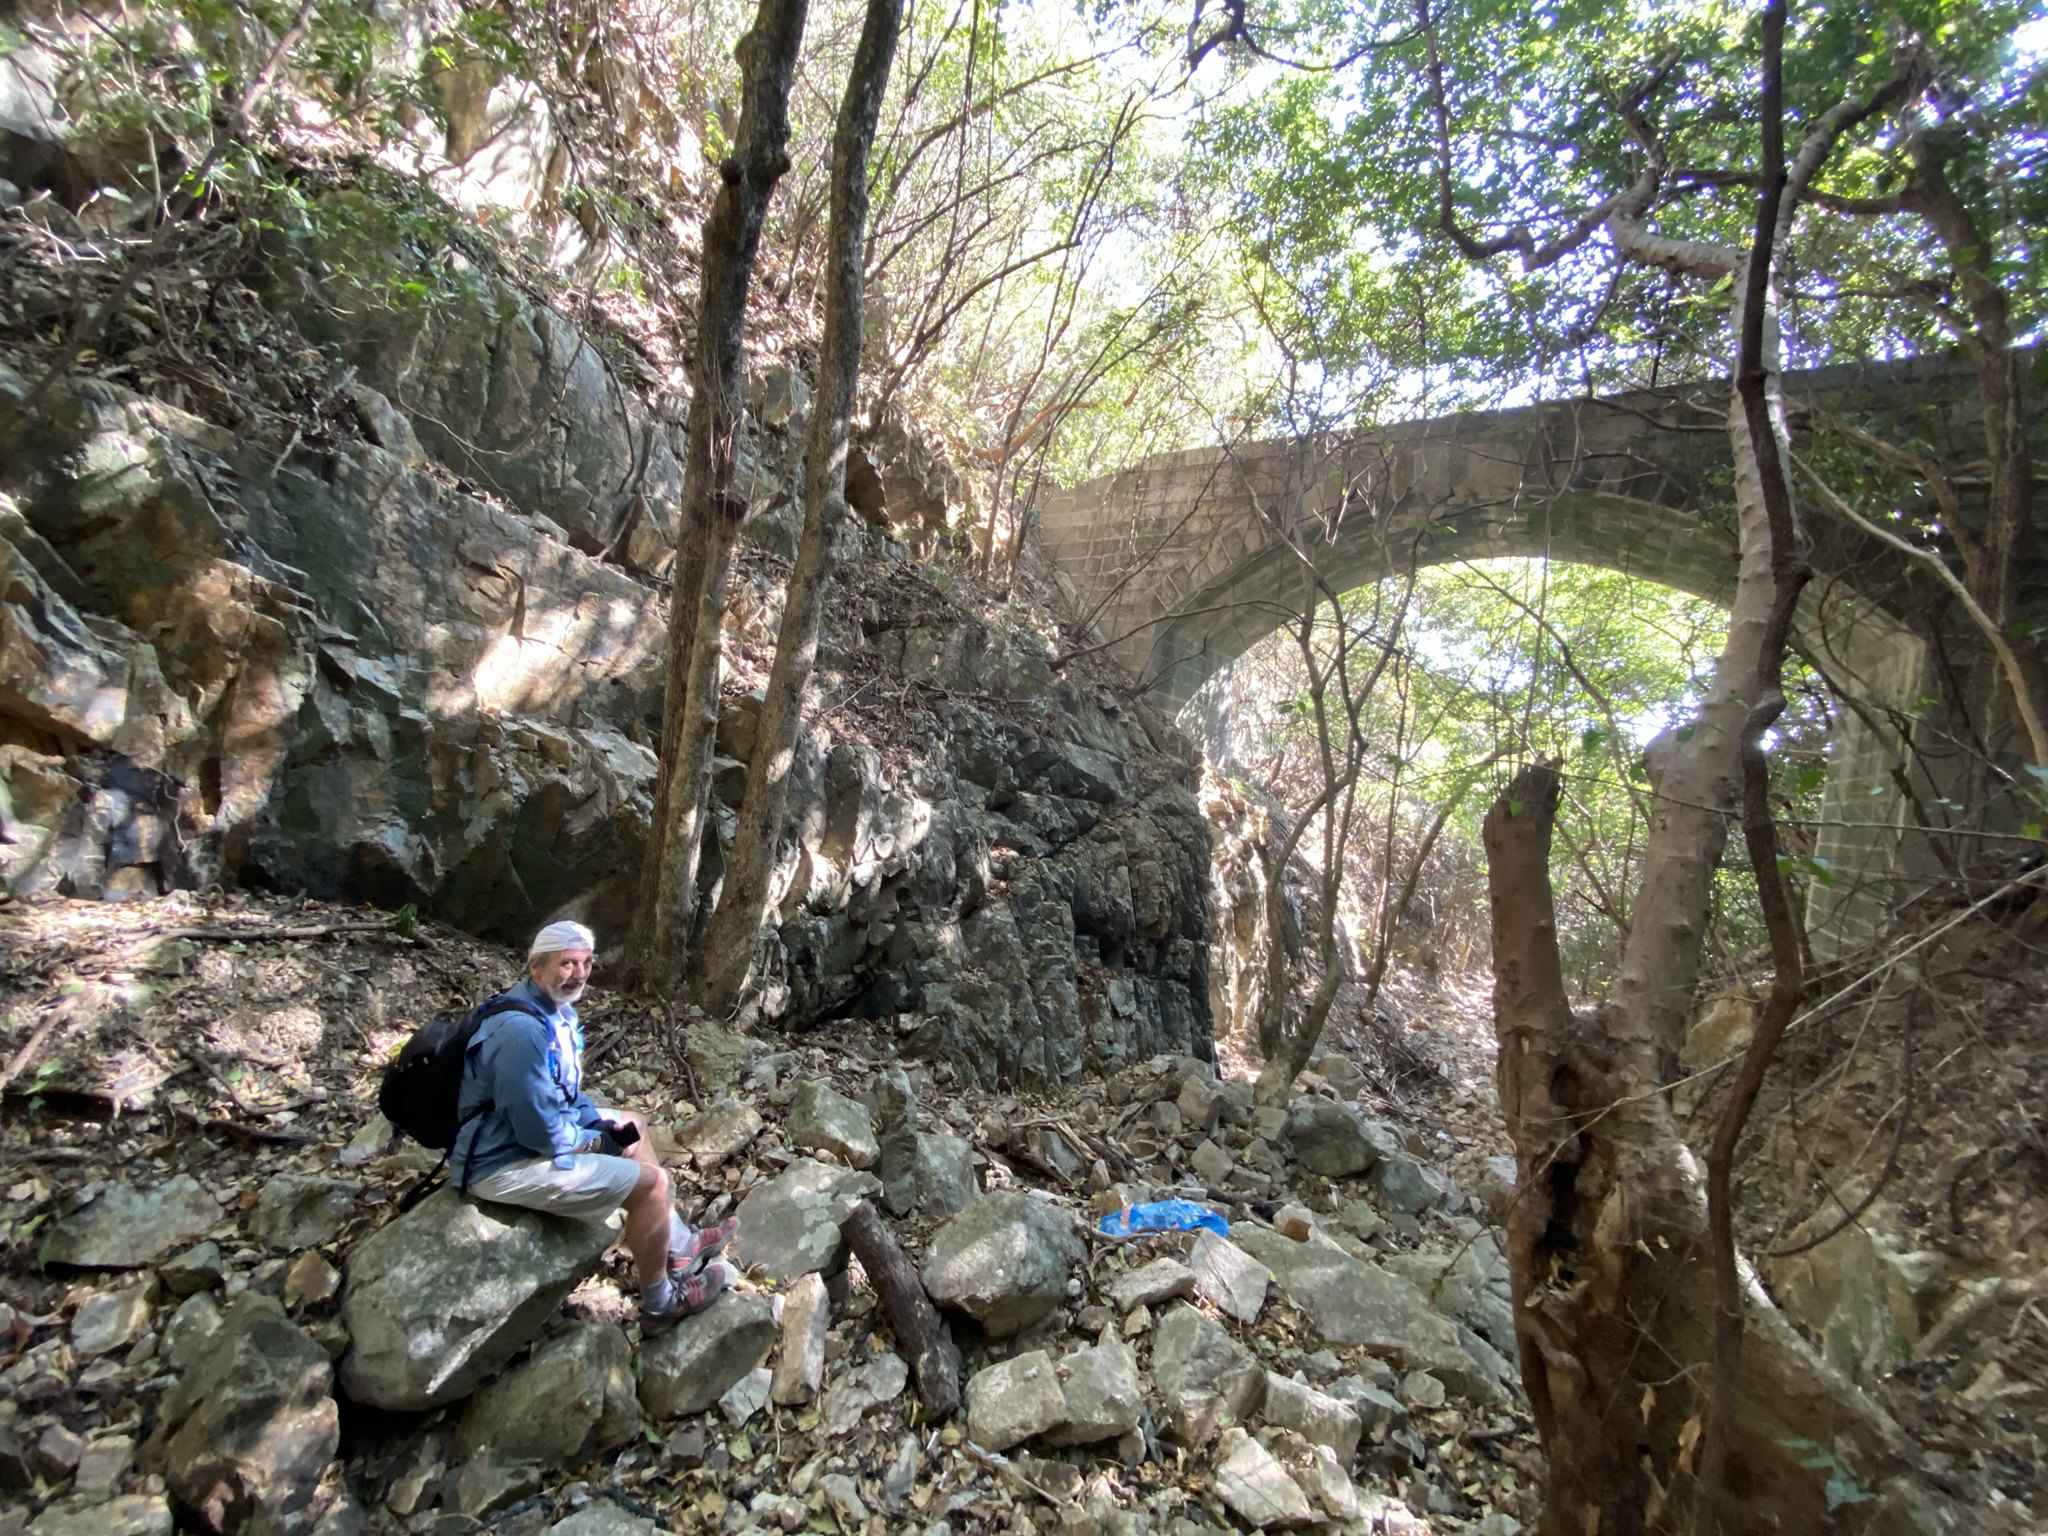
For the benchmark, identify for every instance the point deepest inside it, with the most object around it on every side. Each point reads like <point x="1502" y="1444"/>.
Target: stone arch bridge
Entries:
<point x="1180" y="565"/>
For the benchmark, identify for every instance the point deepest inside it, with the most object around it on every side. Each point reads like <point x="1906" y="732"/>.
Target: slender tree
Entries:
<point x="712" y="509"/>
<point x="725" y="956"/>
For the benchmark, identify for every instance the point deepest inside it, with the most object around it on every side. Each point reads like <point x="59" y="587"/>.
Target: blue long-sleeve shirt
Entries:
<point x="531" y="1075"/>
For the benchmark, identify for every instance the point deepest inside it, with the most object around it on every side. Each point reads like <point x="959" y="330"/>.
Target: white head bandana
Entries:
<point x="560" y="936"/>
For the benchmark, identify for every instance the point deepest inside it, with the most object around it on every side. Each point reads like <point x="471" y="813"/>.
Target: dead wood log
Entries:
<point x="934" y="1358"/>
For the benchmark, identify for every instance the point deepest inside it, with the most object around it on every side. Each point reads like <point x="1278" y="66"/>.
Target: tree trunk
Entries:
<point x="1608" y="1241"/>
<point x="711" y="510"/>
<point x="726" y="954"/>
<point x="1608" y="1250"/>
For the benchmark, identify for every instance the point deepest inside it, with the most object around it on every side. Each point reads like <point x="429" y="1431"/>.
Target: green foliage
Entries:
<point x="1522" y="660"/>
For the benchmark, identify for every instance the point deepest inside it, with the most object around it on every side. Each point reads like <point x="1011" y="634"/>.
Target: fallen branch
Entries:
<point x="240" y="1128"/>
<point x="934" y="1358"/>
<point x="264" y="932"/>
<point x="18" y="1063"/>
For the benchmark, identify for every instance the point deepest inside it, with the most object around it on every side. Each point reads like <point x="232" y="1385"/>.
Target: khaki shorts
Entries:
<point x="595" y="1186"/>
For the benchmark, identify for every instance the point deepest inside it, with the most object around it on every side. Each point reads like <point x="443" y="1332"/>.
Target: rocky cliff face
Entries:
<point x="423" y="663"/>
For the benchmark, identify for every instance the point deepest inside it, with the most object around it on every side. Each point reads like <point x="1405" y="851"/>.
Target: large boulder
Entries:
<point x="573" y="1398"/>
<point x="688" y="1368"/>
<point x="790" y="1225"/>
<point x="125" y="1227"/>
<point x="1349" y="1303"/>
<point x="1003" y="1261"/>
<point x="246" y="1434"/>
<point x="437" y="1301"/>
<point x="1332" y="1139"/>
<point x="1470" y="1287"/>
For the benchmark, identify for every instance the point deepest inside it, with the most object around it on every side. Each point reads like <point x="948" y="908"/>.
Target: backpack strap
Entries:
<point x="489" y="1009"/>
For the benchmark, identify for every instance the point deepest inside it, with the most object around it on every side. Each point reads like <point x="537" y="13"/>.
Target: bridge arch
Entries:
<point x="1180" y="565"/>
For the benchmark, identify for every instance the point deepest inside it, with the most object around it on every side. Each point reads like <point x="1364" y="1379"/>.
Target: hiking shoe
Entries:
<point x="705" y="1243"/>
<point x="690" y="1294"/>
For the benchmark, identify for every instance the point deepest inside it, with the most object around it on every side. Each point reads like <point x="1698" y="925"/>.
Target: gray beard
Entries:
<point x="568" y="994"/>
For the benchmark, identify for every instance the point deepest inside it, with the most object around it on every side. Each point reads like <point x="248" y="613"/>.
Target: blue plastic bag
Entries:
<point x="1163" y="1216"/>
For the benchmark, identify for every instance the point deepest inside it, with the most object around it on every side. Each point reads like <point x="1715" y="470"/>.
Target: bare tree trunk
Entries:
<point x="726" y="953"/>
<point x="711" y="510"/>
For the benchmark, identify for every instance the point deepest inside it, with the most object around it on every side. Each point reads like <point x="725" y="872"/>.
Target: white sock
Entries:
<point x="656" y="1297"/>
<point x="679" y="1233"/>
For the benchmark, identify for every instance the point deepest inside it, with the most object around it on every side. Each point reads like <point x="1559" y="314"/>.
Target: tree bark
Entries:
<point x="1608" y="1252"/>
<point x="712" y="511"/>
<point x="934" y="1358"/>
<point x="726" y="954"/>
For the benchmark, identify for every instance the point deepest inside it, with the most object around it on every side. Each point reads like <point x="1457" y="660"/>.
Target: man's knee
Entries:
<point x="652" y="1184"/>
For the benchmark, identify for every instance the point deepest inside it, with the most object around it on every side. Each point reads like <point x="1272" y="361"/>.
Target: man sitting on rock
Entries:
<point x="537" y="1140"/>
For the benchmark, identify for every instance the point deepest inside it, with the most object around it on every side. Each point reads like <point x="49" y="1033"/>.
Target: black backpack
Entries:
<point x="422" y="1087"/>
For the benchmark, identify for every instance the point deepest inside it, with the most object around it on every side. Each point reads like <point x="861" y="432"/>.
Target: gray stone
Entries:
<point x="1160" y="1280"/>
<point x="892" y="1103"/>
<point x="102" y="1466"/>
<point x="800" y="1350"/>
<point x="603" y="1518"/>
<point x="1405" y="1187"/>
<point x="1003" y="1261"/>
<point x="571" y="1399"/>
<point x="484" y="1484"/>
<point x="1327" y="1484"/>
<point x="1203" y="1375"/>
<point x="58" y="1452"/>
<point x="1213" y="1163"/>
<point x="1856" y="1292"/>
<point x="196" y="1269"/>
<point x="1229" y="1277"/>
<point x="720" y="1130"/>
<point x="720" y="1058"/>
<point x="1104" y="1396"/>
<point x="790" y="1225"/>
<point x="190" y="1330"/>
<point x="297" y="1211"/>
<point x="1495" y="1191"/>
<point x="1359" y="1219"/>
<point x="1330" y="1138"/>
<point x="866" y="1386"/>
<point x="1200" y="1103"/>
<point x="821" y="1118"/>
<point x="1377" y="1409"/>
<point x="688" y="1368"/>
<point x="109" y="1320"/>
<point x="1349" y="1303"/>
<point x="127" y="1228"/>
<point x="1316" y="1417"/>
<point x="1010" y="1402"/>
<point x="132" y="1514"/>
<point x="246" y="1435"/>
<point x="1422" y="1390"/>
<point x="1470" y="1287"/>
<point x="438" y="1300"/>
<point x="923" y="1170"/>
<point x="1255" y="1485"/>
<point x="746" y="1397"/>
